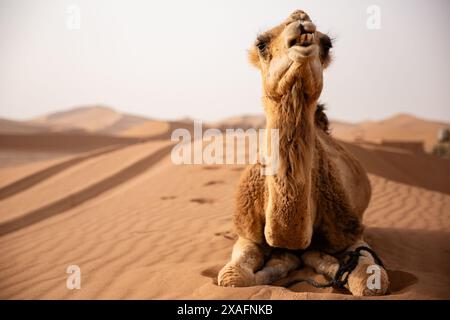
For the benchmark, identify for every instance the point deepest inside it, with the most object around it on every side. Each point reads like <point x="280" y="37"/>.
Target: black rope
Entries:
<point x="347" y="263"/>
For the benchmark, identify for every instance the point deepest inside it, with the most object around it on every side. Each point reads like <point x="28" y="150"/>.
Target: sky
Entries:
<point x="174" y="59"/>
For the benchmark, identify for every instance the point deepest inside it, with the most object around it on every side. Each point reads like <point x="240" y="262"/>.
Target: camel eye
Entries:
<point x="262" y="46"/>
<point x="262" y="42"/>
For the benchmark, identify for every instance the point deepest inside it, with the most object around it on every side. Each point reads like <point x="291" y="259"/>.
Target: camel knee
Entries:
<point x="248" y="253"/>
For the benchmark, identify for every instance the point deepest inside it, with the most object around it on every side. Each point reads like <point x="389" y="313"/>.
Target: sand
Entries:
<point x="10" y="126"/>
<point x="140" y="227"/>
<point x="407" y="131"/>
<point x="99" y="119"/>
<point x="402" y="128"/>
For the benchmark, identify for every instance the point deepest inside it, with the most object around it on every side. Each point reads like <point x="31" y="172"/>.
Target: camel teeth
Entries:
<point x="303" y="38"/>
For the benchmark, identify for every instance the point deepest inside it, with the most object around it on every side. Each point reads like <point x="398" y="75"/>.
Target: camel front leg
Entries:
<point x="367" y="279"/>
<point x="248" y="267"/>
<point x="277" y="267"/>
<point x="247" y="257"/>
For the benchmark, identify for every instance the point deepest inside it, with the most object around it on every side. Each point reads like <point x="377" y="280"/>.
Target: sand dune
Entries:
<point x="88" y="179"/>
<point x="64" y="142"/>
<point x="85" y="118"/>
<point x="256" y="121"/>
<point x="141" y="227"/>
<point x="91" y="119"/>
<point x="147" y="129"/>
<point x="144" y="228"/>
<point x="402" y="130"/>
<point x="18" y="149"/>
<point x="397" y="164"/>
<point x="125" y="122"/>
<point x="399" y="128"/>
<point x="18" y="127"/>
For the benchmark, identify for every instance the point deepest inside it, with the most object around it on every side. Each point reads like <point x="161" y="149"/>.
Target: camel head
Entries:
<point x="292" y="53"/>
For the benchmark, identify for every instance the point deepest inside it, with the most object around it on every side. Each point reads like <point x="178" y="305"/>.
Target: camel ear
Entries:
<point x="326" y="44"/>
<point x="253" y="57"/>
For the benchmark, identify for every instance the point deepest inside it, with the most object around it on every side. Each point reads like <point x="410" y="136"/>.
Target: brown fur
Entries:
<point x="321" y="119"/>
<point x="317" y="198"/>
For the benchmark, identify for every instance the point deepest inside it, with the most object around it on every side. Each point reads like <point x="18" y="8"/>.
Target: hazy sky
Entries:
<point x="171" y="59"/>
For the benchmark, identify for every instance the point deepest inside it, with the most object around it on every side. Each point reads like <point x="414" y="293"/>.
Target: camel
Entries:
<point x="311" y="210"/>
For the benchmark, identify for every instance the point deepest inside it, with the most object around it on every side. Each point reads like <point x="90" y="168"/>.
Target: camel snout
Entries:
<point x="300" y="33"/>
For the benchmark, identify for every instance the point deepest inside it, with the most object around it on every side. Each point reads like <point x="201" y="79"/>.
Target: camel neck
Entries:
<point x="293" y="116"/>
<point x="289" y="216"/>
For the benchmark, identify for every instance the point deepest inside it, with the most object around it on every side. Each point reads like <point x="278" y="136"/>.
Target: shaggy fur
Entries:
<point x="316" y="200"/>
<point x="321" y="119"/>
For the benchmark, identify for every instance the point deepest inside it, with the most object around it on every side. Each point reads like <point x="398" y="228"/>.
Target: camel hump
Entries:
<point x="321" y="118"/>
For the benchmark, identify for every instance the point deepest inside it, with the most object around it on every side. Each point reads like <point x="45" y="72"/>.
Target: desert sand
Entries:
<point x="99" y="119"/>
<point x="397" y="129"/>
<point x="140" y="227"/>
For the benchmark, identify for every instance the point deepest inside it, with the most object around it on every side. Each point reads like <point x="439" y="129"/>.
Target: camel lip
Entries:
<point x="299" y="51"/>
<point x="303" y="45"/>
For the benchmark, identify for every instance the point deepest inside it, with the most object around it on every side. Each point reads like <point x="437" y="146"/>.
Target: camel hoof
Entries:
<point x="368" y="280"/>
<point x="233" y="275"/>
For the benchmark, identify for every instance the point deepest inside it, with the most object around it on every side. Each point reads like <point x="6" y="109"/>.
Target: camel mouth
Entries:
<point x="299" y="52"/>
<point x="304" y="40"/>
<point x="302" y="46"/>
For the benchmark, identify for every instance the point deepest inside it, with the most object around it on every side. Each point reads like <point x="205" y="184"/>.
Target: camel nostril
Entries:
<point x="302" y="28"/>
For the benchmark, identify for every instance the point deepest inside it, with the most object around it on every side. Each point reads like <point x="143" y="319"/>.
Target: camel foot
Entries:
<point x="368" y="280"/>
<point x="234" y="275"/>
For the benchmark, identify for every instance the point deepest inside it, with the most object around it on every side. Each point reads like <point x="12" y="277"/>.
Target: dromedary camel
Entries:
<point x="314" y="204"/>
